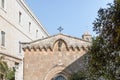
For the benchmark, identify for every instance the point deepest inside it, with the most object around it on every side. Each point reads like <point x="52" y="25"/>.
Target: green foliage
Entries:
<point x="3" y="68"/>
<point x="104" y="53"/>
<point x="5" y="72"/>
<point x="78" y="76"/>
<point x="10" y="75"/>
<point x="107" y="25"/>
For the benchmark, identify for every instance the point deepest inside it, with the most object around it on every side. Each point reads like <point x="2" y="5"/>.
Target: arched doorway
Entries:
<point x="57" y="73"/>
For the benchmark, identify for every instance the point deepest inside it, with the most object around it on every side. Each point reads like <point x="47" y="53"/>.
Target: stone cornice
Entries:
<point x="71" y="43"/>
<point x="14" y="57"/>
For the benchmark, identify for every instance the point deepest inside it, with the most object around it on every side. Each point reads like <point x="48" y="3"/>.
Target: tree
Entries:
<point x="78" y="76"/>
<point x="10" y="75"/>
<point x="3" y="68"/>
<point x="104" y="54"/>
<point x="6" y="73"/>
<point x="105" y="50"/>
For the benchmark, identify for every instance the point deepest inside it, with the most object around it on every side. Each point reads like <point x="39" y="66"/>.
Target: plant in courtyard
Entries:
<point x="10" y="75"/>
<point x="3" y="68"/>
<point x="5" y="72"/>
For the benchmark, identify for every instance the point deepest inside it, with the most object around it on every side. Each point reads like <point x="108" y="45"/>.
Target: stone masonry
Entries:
<point x="47" y="58"/>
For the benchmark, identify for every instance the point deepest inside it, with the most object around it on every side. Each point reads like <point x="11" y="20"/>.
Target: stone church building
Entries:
<point x="54" y="57"/>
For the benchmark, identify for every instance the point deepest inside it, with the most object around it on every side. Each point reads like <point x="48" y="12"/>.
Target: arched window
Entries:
<point x="60" y="77"/>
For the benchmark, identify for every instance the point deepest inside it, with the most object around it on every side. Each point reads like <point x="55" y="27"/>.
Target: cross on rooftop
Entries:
<point x="60" y="29"/>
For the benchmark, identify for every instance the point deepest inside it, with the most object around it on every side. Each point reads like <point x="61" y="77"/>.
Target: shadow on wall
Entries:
<point x="61" y="72"/>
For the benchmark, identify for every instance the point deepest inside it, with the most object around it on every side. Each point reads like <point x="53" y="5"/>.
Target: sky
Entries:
<point x="75" y="16"/>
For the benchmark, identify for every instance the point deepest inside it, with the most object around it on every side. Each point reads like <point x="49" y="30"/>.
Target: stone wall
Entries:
<point x="45" y="63"/>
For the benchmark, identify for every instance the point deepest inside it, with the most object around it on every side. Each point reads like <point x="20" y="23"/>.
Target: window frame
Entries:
<point x="20" y="17"/>
<point x="3" y="4"/>
<point x="20" y="47"/>
<point x="36" y="33"/>
<point x="29" y="26"/>
<point x="2" y="38"/>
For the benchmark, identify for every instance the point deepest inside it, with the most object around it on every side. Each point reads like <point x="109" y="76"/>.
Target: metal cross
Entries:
<point x="60" y="29"/>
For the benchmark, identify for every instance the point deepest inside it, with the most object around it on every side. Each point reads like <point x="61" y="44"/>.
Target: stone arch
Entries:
<point x="60" y="45"/>
<point x="55" y="71"/>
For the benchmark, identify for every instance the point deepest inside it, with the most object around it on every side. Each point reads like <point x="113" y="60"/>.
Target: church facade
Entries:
<point x="55" y="57"/>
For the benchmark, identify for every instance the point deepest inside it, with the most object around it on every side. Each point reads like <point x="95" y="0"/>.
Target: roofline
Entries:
<point x="56" y="35"/>
<point x="30" y="12"/>
<point x="11" y="56"/>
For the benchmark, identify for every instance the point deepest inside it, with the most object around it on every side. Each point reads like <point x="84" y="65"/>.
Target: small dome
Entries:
<point x="86" y="33"/>
<point x="86" y="36"/>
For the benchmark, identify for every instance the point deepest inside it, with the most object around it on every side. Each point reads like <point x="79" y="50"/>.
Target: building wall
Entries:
<point x="46" y="65"/>
<point x="58" y="55"/>
<point x="16" y="32"/>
